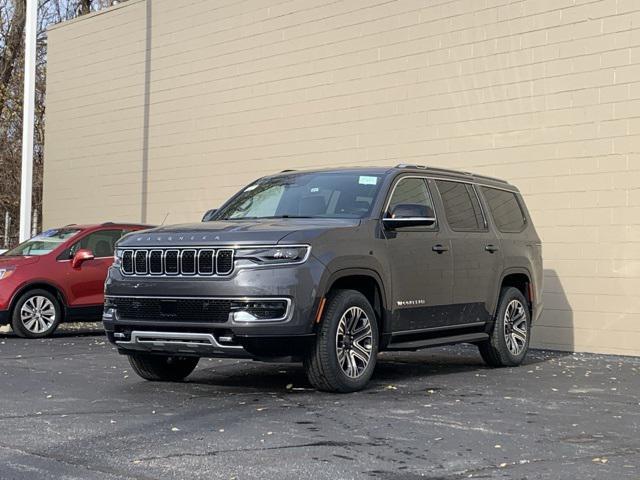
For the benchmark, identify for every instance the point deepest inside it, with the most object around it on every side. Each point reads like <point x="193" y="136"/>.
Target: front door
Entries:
<point x="86" y="282"/>
<point x="477" y="259"/>
<point x="420" y="261"/>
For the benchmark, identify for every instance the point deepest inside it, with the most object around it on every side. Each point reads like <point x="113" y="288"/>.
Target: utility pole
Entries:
<point x="26" y="183"/>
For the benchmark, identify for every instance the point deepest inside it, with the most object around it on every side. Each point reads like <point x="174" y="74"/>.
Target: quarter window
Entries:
<point x="461" y="206"/>
<point x="506" y="210"/>
<point x="413" y="193"/>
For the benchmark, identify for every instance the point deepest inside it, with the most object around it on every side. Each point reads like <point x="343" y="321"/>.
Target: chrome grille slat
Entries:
<point x="141" y="262"/>
<point x="206" y="262"/>
<point x="188" y="262"/>
<point x="156" y="262"/>
<point x="177" y="262"/>
<point x="172" y="262"/>
<point x="127" y="262"/>
<point x="224" y="261"/>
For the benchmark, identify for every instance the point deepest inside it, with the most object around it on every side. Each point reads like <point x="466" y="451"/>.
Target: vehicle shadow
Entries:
<point x="64" y="331"/>
<point x="392" y="368"/>
<point x="555" y="329"/>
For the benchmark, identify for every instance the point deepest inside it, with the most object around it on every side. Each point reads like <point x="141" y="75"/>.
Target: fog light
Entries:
<point x="109" y="313"/>
<point x="258" y="310"/>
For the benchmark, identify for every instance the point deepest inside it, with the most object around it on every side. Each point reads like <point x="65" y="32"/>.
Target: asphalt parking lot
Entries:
<point x="72" y="409"/>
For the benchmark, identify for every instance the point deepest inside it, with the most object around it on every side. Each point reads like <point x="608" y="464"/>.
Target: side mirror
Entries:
<point x="80" y="257"/>
<point x="209" y="215"/>
<point x="409" y="215"/>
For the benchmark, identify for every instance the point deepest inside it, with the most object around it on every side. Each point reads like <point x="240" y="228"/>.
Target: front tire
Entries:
<point x="343" y="356"/>
<point x="509" y="341"/>
<point x="36" y="314"/>
<point x="162" y="368"/>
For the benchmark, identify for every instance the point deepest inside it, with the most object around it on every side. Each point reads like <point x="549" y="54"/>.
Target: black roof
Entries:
<point x="413" y="168"/>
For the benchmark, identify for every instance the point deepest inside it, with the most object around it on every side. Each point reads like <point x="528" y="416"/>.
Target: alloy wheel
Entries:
<point x="38" y="314"/>
<point x="354" y="342"/>
<point x="515" y="327"/>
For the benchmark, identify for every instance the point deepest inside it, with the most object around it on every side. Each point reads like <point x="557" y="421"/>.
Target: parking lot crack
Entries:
<point x="212" y="453"/>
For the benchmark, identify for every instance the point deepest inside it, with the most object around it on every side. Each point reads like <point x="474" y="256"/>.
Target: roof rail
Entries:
<point x="70" y="224"/>
<point x="107" y="223"/>
<point x="487" y="177"/>
<point x="411" y="165"/>
<point x="452" y="172"/>
<point x="288" y="170"/>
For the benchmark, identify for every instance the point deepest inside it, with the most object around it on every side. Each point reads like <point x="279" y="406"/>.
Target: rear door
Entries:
<point x="421" y="276"/>
<point x="85" y="285"/>
<point x="477" y="258"/>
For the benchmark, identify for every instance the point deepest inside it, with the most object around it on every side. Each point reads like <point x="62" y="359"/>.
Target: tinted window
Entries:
<point x="310" y="195"/>
<point x="101" y="243"/>
<point x="461" y="206"/>
<point x="505" y="209"/>
<point x="412" y="192"/>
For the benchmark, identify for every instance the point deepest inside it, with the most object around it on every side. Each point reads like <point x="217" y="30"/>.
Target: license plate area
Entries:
<point x="169" y="308"/>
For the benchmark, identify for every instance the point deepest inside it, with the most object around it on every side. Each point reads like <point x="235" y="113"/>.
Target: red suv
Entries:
<point x="57" y="276"/>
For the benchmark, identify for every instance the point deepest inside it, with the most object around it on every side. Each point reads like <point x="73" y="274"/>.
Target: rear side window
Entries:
<point x="461" y="206"/>
<point x="506" y="210"/>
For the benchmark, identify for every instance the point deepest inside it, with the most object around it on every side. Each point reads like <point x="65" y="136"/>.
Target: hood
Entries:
<point x="236" y="232"/>
<point x="6" y="261"/>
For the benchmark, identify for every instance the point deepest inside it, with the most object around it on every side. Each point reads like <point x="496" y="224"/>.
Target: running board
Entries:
<point x="434" y="342"/>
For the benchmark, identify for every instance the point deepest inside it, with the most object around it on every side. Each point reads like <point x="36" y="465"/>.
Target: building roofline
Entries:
<point x="88" y="16"/>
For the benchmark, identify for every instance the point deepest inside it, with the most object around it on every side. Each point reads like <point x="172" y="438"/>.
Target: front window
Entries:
<point x="305" y="195"/>
<point x="44" y="243"/>
<point x="101" y="243"/>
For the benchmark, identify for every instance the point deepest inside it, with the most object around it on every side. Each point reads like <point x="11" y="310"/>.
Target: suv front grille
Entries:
<point x="182" y="309"/>
<point x="171" y="262"/>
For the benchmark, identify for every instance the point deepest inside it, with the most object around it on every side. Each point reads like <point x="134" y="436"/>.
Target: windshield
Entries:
<point x="44" y="243"/>
<point x="305" y="195"/>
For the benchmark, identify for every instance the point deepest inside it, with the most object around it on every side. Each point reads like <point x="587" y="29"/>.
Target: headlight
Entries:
<point x="284" y="255"/>
<point x="117" y="258"/>
<point x="6" y="272"/>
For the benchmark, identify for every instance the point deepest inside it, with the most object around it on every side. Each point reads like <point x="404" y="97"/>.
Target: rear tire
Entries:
<point x="36" y="314"/>
<point x="163" y="368"/>
<point x="343" y="356"/>
<point x="509" y="341"/>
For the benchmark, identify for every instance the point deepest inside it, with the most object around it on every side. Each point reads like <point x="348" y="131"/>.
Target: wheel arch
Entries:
<point x="370" y="284"/>
<point x="519" y="278"/>
<point x="42" y="285"/>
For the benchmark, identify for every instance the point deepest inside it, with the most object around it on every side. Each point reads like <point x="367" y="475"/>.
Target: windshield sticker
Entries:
<point x="315" y="190"/>
<point x="367" y="180"/>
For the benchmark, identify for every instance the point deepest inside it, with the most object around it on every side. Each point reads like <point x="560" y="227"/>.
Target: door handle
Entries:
<point x="491" y="248"/>
<point x="440" y="249"/>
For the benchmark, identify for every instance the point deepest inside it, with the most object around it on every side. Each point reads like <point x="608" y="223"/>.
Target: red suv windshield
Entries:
<point x="43" y="243"/>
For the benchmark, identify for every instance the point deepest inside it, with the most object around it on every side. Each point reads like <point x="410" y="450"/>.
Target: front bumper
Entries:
<point x="178" y="343"/>
<point x="298" y="284"/>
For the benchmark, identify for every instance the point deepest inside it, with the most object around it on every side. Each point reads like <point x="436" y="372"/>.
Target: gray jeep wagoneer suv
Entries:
<point x="331" y="267"/>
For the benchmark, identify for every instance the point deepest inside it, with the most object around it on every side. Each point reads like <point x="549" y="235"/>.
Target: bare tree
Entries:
<point x="12" y="20"/>
<point x="12" y="15"/>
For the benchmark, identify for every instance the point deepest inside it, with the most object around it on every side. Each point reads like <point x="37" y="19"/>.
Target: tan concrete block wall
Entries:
<point x="210" y="95"/>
